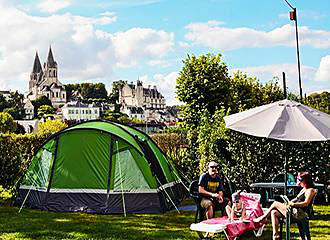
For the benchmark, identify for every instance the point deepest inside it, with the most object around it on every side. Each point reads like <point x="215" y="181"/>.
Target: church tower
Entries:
<point x="50" y="68"/>
<point x="44" y="81"/>
<point x="36" y="74"/>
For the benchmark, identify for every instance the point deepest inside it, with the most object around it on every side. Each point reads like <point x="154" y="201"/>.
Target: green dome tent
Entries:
<point x="101" y="167"/>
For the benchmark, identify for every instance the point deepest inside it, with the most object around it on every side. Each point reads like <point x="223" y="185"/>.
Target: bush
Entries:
<point x="5" y="196"/>
<point x="50" y="127"/>
<point x="175" y="146"/>
<point x="245" y="159"/>
<point x="7" y="124"/>
<point x="16" y="152"/>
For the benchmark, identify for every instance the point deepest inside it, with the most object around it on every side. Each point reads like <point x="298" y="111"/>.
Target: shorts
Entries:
<point x="206" y="203"/>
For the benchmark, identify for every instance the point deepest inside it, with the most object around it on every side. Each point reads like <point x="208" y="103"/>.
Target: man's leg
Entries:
<point x="208" y="206"/>
<point x="223" y="206"/>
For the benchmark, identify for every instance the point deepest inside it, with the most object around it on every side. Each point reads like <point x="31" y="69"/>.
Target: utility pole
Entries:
<point x="293" y="17"/>
<point x="284" y="86"/>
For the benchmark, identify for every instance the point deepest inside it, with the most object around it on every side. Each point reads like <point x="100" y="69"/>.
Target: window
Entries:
<point x="57" y="94"/>
<point x="83" y="112"/>
<point x="95" y="111"/>
<point x="48" y="95"/>
<point x="63" y="95"/>
<point x="52" y="94"/>
<point x="77" y="111"/>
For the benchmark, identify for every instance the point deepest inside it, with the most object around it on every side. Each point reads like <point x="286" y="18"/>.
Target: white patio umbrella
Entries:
<point x="283" y="120"/>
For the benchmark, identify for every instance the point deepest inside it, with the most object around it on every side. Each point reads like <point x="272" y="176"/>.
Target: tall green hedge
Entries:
<point x="16" y="152"/>
<point x="245" y="159"/>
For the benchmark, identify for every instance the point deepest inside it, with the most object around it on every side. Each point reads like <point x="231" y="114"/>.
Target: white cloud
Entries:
<point x="165" y="84"/>
<point x="213" y="36"/>
<point x="141" y="43"/>
<point x="51" y="6"/>
<point x="159" y="63"/>
<point x="126" y="3"/>
<point x="184" y="44"/>
<point x="108" y="14"/>
<point x="323" y="72"/>
<point x="83" y="52"/>
<point x="267" y="72"/>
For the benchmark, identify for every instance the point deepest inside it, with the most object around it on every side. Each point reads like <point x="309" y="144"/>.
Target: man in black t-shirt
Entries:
<point x="211" y="188"/>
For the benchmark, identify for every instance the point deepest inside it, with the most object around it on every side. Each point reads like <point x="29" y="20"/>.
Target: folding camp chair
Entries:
<point x="233" y="229"/>
<point x="303" y="224"/>
<point x="194" y="193"/>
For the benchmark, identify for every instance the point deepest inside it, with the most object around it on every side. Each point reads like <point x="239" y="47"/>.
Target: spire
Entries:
<point x="36" y="66"/>
<point x="50" y="59"/>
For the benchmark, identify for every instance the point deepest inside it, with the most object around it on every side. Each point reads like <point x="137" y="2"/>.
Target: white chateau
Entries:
<point x="146" y="104"/>
<point x="137" y="96"/>
<point x="44" y="81"/>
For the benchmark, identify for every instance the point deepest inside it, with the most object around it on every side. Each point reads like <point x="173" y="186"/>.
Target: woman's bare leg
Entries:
<point x="276" y="205"/>
<point x="275" y="215"/>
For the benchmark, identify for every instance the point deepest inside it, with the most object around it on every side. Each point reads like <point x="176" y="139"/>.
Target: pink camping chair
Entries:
<point x="236" y="228"/>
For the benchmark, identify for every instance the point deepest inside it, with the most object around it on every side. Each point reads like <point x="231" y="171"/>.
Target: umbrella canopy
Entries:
<point x="283" y="120"/>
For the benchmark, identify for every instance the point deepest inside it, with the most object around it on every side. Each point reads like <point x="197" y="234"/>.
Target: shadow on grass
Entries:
<point x="34" y="224"/>
<point x="321" y="217"/>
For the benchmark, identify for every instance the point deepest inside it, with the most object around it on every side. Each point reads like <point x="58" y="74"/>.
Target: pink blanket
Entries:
<point x="237" y="228"/>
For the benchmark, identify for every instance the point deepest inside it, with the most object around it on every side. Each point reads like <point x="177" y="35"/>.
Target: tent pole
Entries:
<point x="109" y="174"/>
<point x="32" y="185"/>
<point x="181" y="181"/>
<point x="121" y="182"/>
<point x="160" y="185"/>
<point x="20" y="209"/>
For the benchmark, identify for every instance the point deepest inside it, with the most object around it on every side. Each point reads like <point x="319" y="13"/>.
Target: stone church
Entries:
<point x="44" y="81"/>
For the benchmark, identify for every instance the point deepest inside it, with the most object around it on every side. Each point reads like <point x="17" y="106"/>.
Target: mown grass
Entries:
<point x="35" y="224"/>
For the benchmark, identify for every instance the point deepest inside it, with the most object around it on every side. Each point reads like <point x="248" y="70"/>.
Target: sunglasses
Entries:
<point x="214" y="167"/>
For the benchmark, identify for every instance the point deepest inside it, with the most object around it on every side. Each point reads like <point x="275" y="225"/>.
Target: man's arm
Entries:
<point x="202" y="191"/>
<point x="220" y="192"/>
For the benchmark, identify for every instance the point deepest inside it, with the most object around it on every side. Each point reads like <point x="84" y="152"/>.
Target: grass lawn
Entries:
<point x="35" y="224"/>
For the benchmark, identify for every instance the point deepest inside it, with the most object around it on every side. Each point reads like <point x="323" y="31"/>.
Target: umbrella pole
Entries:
<point x="287" y="232"/>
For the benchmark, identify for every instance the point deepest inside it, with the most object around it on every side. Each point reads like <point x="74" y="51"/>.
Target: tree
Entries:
<point x="7" y="123"/>
<point x="50" y="127"/>
<point x="203" y="84"/>
<point x="20" y="129"/>
<point x="319" y="101"/>
<point x="116" y="87"/>
<point x="43" y="100"/>
<point x="16" y="99"/>
<point x="247" y="92"/>
<point x="88" y="90"/>
<point x="3" y="103"/>
<point x="15" y="112"/>
<point x="45" y="111"/>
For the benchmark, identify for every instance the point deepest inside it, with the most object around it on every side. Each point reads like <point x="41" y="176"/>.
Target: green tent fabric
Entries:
<point x="101" y="167"/>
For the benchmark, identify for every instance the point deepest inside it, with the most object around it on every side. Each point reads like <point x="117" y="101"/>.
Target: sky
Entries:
<point x="107" y="40"/>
